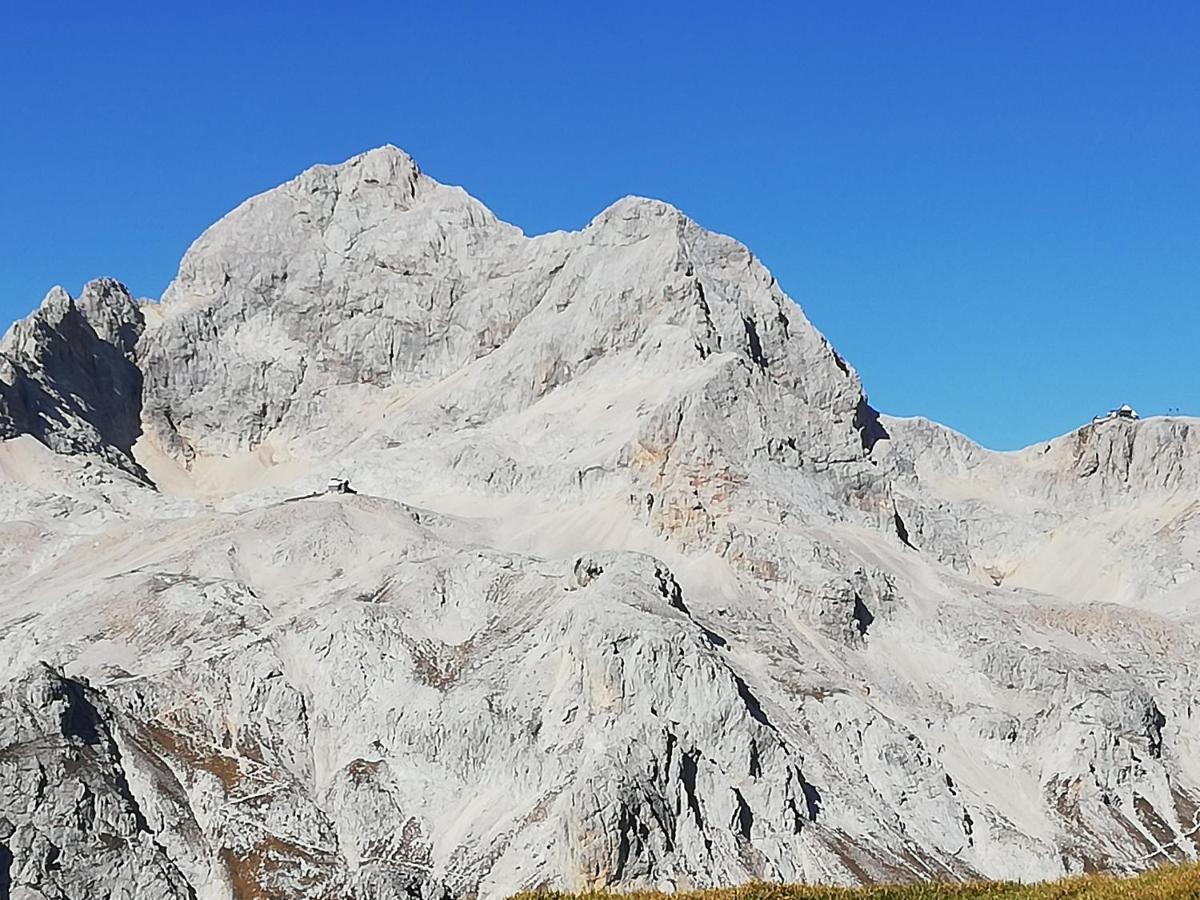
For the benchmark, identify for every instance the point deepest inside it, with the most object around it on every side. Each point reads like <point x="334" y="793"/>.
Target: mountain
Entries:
<point x="631" y="586"/>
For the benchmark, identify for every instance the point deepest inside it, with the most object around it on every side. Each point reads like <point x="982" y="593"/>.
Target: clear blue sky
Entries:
<point x="991" y="209"/>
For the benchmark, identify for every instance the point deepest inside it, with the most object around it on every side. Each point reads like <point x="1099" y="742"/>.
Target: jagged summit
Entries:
<point x="645" y="210"/>
<point x="67" y="376"/>
<point x="387" y="155"/>
<point x="387" y="168"/>
<point x="344" y="280"/>
<point x="633" y="587"/>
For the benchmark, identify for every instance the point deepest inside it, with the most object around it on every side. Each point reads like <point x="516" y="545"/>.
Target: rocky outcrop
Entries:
<point x="633" y="588"/>
<point x="1107" y="511"/>
<point x="70" y="825"/>
<point x="67" y="375"/>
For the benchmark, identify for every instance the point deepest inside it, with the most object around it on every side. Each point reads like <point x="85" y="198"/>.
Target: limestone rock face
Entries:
<point x="67" y="375"/>
<point x="631" y="585"/>
<point x="69" y="822"/>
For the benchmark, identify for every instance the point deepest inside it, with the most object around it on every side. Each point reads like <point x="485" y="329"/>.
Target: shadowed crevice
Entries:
<point x="6" y="861"/>
<point x="866" y="423"/>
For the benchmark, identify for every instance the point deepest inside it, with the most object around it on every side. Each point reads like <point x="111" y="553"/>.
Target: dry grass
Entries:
<point x="1160" y="884"/>
<point x="193" y="753"/>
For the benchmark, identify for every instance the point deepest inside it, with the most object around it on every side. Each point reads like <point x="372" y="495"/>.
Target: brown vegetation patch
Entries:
<point x="192" y="753"/>
<point x="1187" y="811"/>
<point x="1137" y="839"/>
<point x="1158" y="828"/>
<point x="277" y="869"/>
<point x="1167" y="883"/>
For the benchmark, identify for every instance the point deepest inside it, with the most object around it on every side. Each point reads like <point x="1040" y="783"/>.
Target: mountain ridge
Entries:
<point x="634" y="587"/>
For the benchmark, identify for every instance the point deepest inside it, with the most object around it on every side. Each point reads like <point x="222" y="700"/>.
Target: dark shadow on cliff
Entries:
<point x="6" y="861"/>
<point x="76" y="374"/>
<point x="866" y="422"/>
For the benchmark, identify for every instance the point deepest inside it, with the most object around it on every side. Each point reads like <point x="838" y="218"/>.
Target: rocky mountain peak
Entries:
<point x="386" y="171"/>
<point x="371" y="274"/>
<point x="639" y="217"/>
<point x="397" y="554"/>
<point x="68" y="377"/>
<point x="386" y="165"/>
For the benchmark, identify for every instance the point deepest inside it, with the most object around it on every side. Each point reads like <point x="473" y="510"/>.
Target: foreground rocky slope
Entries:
<point x="636" y="588"/>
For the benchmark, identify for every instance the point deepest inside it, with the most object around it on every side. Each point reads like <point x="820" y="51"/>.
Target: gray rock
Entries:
<point x="67" y="376"/>
<point x="71" y="826"/>
<point x="634" y="587"/>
